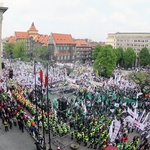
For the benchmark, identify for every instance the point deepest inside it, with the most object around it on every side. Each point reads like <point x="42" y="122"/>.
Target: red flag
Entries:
<point x="46" y="77"/>
<point x="41" y="75"/>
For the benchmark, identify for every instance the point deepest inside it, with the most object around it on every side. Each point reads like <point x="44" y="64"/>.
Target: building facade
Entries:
<point x="83" y="50"/>
<point x="135" y="40"/>
<point x="31" y="37"/>
<point x="62" y="47"/>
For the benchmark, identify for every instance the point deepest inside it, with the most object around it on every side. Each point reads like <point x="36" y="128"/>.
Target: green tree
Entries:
<point x="96" y="50"/>
<point x="19" y="50"/>
<point x="41" y="52"/>
<point x="105" y="61"/>
<point x="142" y="79"/>
<point x="129" y="57"/>
<point x="144" y="57"/>
<point x="119" y="54"/>
<point x="8" y="48"/>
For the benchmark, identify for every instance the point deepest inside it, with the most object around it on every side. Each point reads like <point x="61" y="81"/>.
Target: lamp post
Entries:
<point x="100" y="69"/>
<point x="36" y="114"/>
<point x="48" y="106"/>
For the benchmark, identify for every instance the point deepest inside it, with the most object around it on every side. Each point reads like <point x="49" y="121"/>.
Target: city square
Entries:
<point x="59" y="91"/>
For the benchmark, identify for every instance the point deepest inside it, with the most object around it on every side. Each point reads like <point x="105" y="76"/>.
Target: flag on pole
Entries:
<point x="41" y="75"/>
<point x="141" y="116"/>
<point x="46" y="77"/>
<point x="146" y="118"/>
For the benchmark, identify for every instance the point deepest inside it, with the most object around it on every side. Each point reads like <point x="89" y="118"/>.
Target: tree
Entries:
<point x="119" y="54"/>
<point x="19" y="50"/>
<point x="8" y="48"/>
<point x="105" y="61"/>
<point x="41" y="52"/>
<point x="129" y="57"/>
<point x="142" y="79"/>
<point x="144" y="57"/>
<point x="96" y="50"/>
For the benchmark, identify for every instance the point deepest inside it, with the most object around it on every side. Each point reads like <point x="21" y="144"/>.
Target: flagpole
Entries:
<point x="36" y="96"/>
<point x="48" y="106"/>
<point x="41" y="79"/>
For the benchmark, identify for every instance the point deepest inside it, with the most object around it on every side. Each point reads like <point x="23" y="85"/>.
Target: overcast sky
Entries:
<point x="92" y="19"/>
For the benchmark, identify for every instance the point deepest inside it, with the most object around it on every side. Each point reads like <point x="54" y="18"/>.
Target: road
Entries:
<point x="14" y="139"/>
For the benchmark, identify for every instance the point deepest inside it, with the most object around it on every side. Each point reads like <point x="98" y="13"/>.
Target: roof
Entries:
<point x="42" y="39"/>
<point x="32" y="28"/>
<point x="11" y="39"/>
<point x="129" y="33"/>
<point x="22" y="35"/>
<point x="62" y="38"/>
<point x="81" y="43"/>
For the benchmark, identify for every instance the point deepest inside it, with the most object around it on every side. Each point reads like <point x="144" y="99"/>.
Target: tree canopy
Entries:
<point x="144" y="57"/>
<point x="19" y="50"/>
<point x="41" y="52"/>
<point x="119" y="54"/>
<point x="8" y="48"/>
<point x="129" y="57"/>
<point x="142" y="79"/>
<point x="96" y="50"/>
<point x="105" y="61"/>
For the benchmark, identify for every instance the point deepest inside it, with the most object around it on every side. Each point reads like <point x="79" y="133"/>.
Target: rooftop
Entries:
<point x="63" y="38"/>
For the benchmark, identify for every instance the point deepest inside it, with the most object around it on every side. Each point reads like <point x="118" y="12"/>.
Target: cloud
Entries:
<point x="81" y="18"/>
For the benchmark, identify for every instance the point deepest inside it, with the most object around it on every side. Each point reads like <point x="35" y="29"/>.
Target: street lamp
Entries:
<point x="100" y="69"/>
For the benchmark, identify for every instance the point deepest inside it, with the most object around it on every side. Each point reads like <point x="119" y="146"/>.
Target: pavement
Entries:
<point x="14" y="139"/>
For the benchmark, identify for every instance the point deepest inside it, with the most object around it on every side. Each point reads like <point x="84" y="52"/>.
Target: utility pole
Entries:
<point x="2" y="10"/>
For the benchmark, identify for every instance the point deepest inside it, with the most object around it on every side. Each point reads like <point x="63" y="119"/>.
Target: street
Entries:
<point x="14" y="139"/>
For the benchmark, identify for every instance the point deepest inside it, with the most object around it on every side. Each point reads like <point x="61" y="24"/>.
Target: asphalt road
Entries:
<point x="14" y="139"/>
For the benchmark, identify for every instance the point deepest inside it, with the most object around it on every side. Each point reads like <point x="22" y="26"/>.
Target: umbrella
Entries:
<point x="111" y="148"/>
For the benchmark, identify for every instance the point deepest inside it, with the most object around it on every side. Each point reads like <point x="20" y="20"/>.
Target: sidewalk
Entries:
<point x="14" y="139"/>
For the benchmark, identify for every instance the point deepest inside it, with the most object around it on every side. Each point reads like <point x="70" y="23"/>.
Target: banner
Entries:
<point x="146" y="118"/>
<point x="141" y="116"/>
<point x="111" y="129"/>
<point x="133" y="114"/>
<point x="116" y="130"/>
<point x="135" y="123"/>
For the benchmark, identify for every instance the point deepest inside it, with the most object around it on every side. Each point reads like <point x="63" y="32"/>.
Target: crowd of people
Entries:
<point x="91" y="118"/>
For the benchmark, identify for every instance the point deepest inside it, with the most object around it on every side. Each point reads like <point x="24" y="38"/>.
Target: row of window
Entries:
<point x="64" y="57"/>
<point x="137" y="45"/>
<point x="131" y="40"/>
<point x="83" y="56"/>
<point x="84" y="48"/>
<point x="64" y="48"/>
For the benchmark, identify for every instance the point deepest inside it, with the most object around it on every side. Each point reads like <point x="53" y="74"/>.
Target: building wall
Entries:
<point x="135" y="40"/>
<point x="84" y="53"/>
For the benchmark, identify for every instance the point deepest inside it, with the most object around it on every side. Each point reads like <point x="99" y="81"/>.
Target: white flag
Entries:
<point x="111" y="129"/>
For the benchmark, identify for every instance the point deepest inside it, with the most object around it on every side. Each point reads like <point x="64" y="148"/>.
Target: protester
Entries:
<point x="99" y="115"/>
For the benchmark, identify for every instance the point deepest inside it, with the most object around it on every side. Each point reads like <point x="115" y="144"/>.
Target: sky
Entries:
<point x="92" y="19"/>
